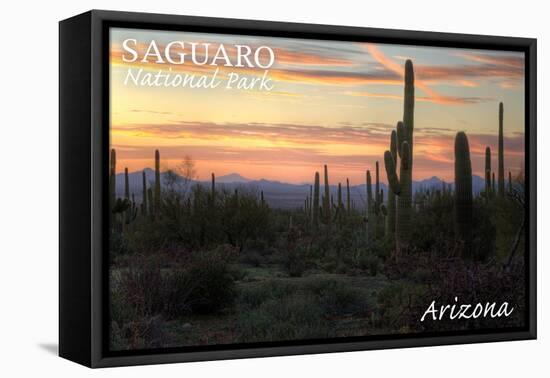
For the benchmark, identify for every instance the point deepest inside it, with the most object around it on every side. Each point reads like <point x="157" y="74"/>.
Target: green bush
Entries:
<point x="293" y="317"/>
<point x="253" y="296"/>
<point x="214" y="286"/>
<point x="336" y="297"/>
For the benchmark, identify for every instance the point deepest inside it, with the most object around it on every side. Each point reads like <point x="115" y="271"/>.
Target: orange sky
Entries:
<point x="333" y="103"/>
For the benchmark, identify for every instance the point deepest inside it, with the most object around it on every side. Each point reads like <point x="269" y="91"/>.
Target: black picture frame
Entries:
<point x="83" y="181"/>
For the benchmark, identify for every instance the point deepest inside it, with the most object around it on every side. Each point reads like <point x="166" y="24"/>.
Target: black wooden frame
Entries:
<point x="83" y="180"/>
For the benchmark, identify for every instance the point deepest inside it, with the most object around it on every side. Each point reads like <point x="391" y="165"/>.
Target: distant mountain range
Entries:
<point x="279" y="194"/>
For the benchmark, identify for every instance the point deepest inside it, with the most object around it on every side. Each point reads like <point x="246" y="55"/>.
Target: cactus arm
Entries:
<point x="393" y="144"/>
<point x="393" y="181"/>
<point x="400" y="136"/>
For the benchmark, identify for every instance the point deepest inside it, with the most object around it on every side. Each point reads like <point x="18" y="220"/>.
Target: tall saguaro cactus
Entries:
<point x="340" y="203"/>
<point x="377" y="199"/>
<point x="326" y="198"/>
<point x="310" y="213"/>
<point x="371" y="215"/>
<point x="144" y="191"/>
<point x="126" y="185"/>
<point x="390" y="219"/>
<point x="150" y="201"/>
<point x="157" y="182"/>
<point x="348" y="198"/>
<point x="487" y="170"/>
<point x="316" y="201"/>
<point x="463" y="189"/>
<point x="402" y="186"/>
<point x="408" y="108"/>
<point x="501" y="149"/>
<point x="377" y="187"/>
<point x="213" y="185"/>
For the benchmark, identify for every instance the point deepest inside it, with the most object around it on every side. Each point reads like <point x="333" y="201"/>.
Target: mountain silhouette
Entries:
<point x="278" y="194"/>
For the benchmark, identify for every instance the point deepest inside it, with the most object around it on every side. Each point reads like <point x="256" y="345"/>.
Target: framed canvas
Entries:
<point x="234" y="188"/>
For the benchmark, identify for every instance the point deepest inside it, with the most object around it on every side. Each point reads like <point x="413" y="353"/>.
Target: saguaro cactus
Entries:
<point x="371" y="215"/>
<point x="126" y="185"/>
<point x="408" y="106"/>
<point x="377" y="199"/>
<point x="157" y="182"/>
<point x="501" y="149"/>
<point x="310" y="201"/>
<point x="144" y="191"/>
<point x="340" y="203"/>
<point x="463" y="189"/>
<point x="127" y="195"/>
<point x="348" y="198"/>
<point x="390" y="219"/>
<point x="112" y="179"/>
<point x="377" y="187"/>
<point x="150" y="201"/>
<point x="316" y="201"/>
<point x="213" y="185"/>
<point x="326" y="198"/>
<point x="487" y="170"/>
<point x="402" y="186"/>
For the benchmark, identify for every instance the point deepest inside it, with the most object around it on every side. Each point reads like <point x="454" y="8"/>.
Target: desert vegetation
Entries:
<point x="193" y="263"/>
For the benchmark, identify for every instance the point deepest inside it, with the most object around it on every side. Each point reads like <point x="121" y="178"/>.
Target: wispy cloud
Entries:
<point x="438" y="100"/>
<point x="461" y="75"/>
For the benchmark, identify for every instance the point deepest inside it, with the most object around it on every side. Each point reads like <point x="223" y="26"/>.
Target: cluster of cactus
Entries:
<point x="322" y="207"/>
<point x="127" y="206"/>
<point x="375" y="210"/>
<point x="401" y="186"/>
<point x="493" y="186"/>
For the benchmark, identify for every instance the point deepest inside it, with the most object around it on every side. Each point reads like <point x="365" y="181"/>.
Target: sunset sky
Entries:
<point x="333" y="103"/>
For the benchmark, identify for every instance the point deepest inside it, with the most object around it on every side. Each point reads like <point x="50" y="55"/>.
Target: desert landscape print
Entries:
<point x="339" y="190"/>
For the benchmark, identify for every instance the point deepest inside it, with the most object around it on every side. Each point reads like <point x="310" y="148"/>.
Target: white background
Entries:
<point x="29" y="188"/>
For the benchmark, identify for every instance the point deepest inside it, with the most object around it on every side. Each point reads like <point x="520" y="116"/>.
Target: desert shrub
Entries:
<point x="370" y="263"/>
<point x="259" y="246"/>
<point x="254" y="296"/>
<point x="484" y="232"/>
<point x="401" y="305"/>
<point x="433" y="229"/>
<point x="293" y="317"/>
<point x="139" y="287"/>
<point x="294" y="261"/>
<point x="251" y="257"/>
<point x="177" y="290"/>
<point x="336" y="297"/>
<point x="202" y="283"/>
<point x="118" y="245"/>
<point x="141" y="333"/>
<point x="214" y="287"/>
